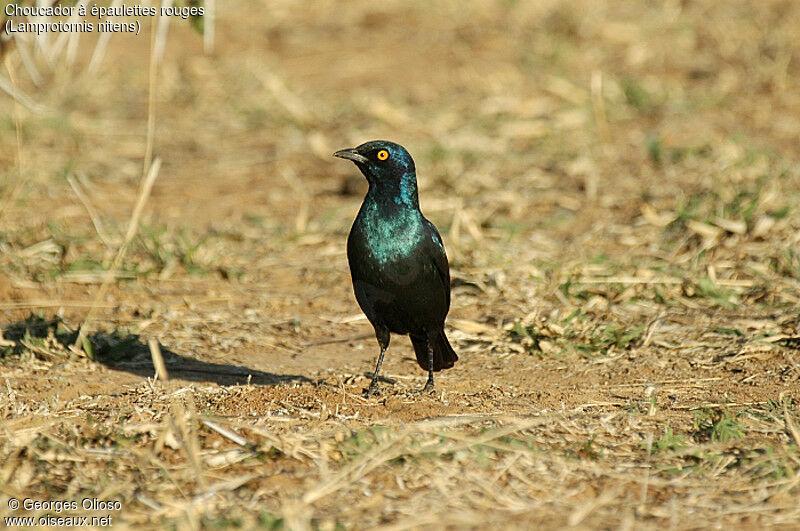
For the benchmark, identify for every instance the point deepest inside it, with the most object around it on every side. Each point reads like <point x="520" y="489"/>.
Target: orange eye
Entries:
<point x="383" y="154"/>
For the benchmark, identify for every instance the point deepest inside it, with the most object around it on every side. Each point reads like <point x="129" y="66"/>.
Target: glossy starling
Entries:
<point x="397" y="261"/>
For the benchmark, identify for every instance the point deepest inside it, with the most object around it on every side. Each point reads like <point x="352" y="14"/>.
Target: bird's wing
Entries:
<point x="435" y="249"/>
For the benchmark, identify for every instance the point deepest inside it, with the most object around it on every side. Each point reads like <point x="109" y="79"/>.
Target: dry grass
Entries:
<point x="616" y="183"/>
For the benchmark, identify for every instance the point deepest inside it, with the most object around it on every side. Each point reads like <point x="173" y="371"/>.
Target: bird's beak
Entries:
<point x="351" y="154"/>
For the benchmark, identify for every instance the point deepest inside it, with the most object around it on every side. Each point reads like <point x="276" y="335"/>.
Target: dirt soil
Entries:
<point x="617" y="187"/>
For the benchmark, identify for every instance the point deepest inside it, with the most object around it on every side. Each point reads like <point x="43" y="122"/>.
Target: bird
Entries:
<point x="398" y="264"/>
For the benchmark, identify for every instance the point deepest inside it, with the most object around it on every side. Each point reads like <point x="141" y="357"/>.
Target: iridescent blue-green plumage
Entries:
<point x="397" y="260"/>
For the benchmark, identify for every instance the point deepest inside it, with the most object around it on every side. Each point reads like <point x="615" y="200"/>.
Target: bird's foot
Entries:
<point x="426" y="390"/>
<point x="373" y="390"/>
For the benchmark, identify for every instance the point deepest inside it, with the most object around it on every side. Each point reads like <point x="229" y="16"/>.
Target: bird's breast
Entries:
<point x="387" y="245"/>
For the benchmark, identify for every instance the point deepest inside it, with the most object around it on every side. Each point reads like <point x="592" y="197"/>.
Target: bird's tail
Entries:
<point x="444" y="356"/>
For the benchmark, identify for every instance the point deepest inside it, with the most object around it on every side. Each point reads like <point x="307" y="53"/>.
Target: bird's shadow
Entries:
<point x="130" y="353"/>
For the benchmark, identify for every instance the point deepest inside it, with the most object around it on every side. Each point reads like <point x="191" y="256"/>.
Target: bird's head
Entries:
<point x="380" y="161"/>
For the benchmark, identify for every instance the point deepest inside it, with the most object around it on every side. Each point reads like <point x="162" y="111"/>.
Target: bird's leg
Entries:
<point x="429" y="384"/>
<point x="428" y="388"/>
<point x="382" y="335"/>
<point x="374" y="389"/>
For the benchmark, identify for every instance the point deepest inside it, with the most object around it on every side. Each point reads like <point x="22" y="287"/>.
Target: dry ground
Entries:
<point x="617" y="185"/>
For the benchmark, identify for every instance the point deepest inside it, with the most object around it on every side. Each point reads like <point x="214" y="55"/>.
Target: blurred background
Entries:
<point x="649" y="135"/>
<point x="616" y="184"/>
